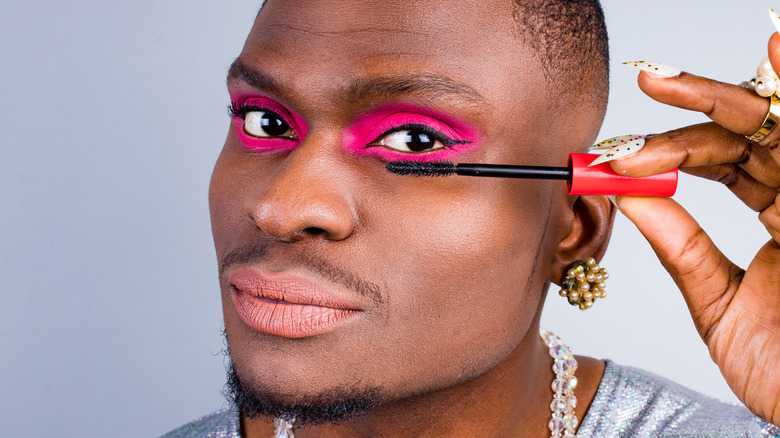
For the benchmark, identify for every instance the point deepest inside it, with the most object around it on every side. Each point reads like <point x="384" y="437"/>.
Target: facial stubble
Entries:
<point x="332" y="406"/>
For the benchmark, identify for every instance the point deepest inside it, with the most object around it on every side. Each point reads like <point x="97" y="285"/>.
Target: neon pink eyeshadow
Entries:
<point x="271" y="144"/>
<point x="369" y="127"/>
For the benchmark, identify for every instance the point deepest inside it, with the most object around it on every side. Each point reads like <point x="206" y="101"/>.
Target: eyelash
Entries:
<point x="239" y="110"/>
<point x="425" y="129"/>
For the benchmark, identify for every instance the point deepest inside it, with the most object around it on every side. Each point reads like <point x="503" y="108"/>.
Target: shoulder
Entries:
<point x="220" y="424"/>
<point x="635" y="403"/>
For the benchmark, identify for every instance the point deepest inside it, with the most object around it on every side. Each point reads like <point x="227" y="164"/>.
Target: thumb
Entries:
<point x="706" y="278"/>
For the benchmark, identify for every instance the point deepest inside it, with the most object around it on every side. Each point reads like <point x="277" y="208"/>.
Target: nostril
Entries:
<point x="315" y="231"/>
<point x="305" y="233"/>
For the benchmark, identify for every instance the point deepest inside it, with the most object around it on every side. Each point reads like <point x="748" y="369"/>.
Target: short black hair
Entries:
<point x="570" y="40"/>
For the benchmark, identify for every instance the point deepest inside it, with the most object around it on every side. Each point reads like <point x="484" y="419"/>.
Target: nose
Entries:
<point x="306" y="197"/>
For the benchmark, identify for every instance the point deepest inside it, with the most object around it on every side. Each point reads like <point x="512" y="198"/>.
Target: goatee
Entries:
<point x="334" y="406"/>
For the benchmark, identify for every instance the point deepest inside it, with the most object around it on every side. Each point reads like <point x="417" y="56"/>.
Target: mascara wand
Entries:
<point x="581" y="179"/>
<point x="444" y="168"/>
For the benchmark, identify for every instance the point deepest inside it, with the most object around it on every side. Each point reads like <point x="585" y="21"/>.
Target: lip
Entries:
<point x="286" y="305"/>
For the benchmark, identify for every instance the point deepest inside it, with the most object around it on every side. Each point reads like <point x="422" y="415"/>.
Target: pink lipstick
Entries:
<point x="286" y="305"/>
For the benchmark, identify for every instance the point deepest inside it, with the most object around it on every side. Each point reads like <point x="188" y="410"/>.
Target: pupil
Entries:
<point x="273" y="124"/>
<point x="419" y="141"/>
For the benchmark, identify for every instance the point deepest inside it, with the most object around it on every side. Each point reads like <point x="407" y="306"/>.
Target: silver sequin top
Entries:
<point x="629" y="403"/>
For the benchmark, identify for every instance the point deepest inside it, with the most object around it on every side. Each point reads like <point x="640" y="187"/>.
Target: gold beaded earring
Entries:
<point x="583" y="283"/>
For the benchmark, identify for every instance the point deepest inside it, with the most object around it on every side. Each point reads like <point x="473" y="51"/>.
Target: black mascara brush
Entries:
<point x="580" y="178"/>
<point x="445" y="168"/>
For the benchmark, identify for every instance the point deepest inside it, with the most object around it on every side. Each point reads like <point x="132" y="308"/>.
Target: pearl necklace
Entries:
<point x="563" y="422"/>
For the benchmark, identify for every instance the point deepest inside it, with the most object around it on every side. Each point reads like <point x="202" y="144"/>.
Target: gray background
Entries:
<point x="111" y="116"/>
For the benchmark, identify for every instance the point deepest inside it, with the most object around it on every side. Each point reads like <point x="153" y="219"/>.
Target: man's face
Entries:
<point x="396" y="283"/>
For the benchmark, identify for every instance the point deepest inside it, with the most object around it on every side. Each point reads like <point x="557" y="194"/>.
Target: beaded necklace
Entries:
<point x="563" y="422"/>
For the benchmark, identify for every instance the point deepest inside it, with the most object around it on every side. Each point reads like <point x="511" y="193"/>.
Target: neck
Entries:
<point x="512" y="399"/>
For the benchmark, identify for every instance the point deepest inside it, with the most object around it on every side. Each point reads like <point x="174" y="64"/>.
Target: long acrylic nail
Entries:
<point x="618" y="147"/>
<point x="775" y="19"/>
<point x="654" y="69"/>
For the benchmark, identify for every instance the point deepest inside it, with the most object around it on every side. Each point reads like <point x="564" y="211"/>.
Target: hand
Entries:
<point x="736" y="311"/>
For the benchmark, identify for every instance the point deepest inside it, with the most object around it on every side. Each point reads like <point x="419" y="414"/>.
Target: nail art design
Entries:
<point x="614" y="141"/>
<point x="617" y="147"/>
<point x="775" y="19"/>
<point x="655" y="69"/>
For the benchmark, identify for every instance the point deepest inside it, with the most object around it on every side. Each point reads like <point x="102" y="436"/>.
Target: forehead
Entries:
<point x="330" y="43"/>
<point x="388" y="26"/>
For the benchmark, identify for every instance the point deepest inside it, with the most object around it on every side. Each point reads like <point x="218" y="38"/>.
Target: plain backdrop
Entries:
<point x="111" y="117"/>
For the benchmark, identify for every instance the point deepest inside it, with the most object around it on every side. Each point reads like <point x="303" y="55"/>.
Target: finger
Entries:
<point x="705" y="276"/>
<point x="754" y="194"/>
<point x="705" y="144"/>
<point x="770" y="217"/>
<point x="773" y="49"/>
<point x="733" y="107"/>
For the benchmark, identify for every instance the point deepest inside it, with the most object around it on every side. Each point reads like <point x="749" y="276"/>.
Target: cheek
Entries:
<point x="219" y="194"/>
<point x="475" y="258"/>
<point x="460" y="282"/>
<point x="222" y="199"/>
<point x="232" y="182"/>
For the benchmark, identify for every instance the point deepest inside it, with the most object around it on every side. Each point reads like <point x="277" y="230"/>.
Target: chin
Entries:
<point x="334" y="405"/>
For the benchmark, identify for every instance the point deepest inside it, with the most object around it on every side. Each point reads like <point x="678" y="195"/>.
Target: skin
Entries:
<point x="461" y="265"/>
<point x="736" y="311"/>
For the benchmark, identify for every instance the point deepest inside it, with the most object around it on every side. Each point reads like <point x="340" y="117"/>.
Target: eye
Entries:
<point x="419" y="138"/>
<point x="267" y="124"/>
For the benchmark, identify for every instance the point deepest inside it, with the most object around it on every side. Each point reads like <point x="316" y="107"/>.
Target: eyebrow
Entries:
<point x="239" y="71"/>
<point x="380" y="88"/>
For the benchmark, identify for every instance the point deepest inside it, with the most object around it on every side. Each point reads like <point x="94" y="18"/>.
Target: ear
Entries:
<point x="589" y="221"/>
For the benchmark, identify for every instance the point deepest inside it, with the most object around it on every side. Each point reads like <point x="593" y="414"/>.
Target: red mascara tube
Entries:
<point x="602" y="180"/>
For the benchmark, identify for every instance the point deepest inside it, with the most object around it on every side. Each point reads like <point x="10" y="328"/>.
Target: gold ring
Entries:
<point x="770" y="121"/>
